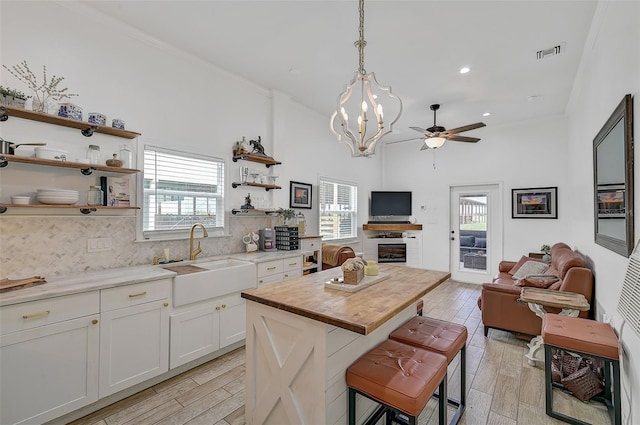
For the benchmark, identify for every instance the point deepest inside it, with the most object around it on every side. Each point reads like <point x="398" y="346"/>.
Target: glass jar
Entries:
<point x="95" y="196"/>
<point x="93" y="154"/>
<point x="125" y="156"/>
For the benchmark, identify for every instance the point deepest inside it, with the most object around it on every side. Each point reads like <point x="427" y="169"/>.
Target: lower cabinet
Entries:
<point x="48" y="358"/>
<point x="203" y="328"/>
<point x="134" y="334"/>
<point x="275" y="271"/>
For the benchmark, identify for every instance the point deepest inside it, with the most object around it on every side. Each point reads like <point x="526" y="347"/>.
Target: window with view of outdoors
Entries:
<point x="338" y="203"/>
<point x="181" y="189"/>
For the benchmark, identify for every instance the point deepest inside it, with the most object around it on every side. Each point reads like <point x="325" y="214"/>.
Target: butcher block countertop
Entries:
<point x="362" y="311"/>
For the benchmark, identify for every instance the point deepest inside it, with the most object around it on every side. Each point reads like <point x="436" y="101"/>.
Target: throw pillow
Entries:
<point x="481" y="243"/>
<point x="520" y="262"/>
<point x="530" y="267"/>
<point x="467" y="240"/>
<point x="537" y="281"/>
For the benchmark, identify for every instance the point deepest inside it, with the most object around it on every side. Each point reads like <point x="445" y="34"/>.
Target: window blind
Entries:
<point x="181" y="189"/>
<point x="338" y="209"/>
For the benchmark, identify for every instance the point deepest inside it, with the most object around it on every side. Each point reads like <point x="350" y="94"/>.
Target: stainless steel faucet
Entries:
<point x="193" y="253"/>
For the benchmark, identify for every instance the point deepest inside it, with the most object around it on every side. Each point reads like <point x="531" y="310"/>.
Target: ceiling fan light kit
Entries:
<point x="436" y="136"/>
<point x="361" y="103"/>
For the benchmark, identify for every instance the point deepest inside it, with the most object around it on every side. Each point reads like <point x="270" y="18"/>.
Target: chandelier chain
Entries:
<point x="361" y="41"/>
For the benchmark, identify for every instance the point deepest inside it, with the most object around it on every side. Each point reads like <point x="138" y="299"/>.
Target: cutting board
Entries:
<point x="7" y="285"/>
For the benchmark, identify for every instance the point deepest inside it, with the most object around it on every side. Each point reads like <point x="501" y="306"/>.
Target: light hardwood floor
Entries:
<point x="502" y="389"/>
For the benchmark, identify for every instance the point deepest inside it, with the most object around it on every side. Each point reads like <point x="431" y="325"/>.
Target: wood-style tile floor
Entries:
<point x="502" y="389"/>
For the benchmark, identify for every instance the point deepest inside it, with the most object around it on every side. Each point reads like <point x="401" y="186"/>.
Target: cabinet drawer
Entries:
<point x="292" y="264"/>
<point x="292" y="274"/>
<point x="139" y="293"/>
<point x="269" y="268"/>
<point x="311" y="244"/>
<point x="44" y="312"/>
<point x="274" y="278"/>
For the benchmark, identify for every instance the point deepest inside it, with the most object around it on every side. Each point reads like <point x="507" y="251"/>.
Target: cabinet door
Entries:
<point x="194" y="333"/>
<point x="49" y="371"/>
<point x="134" y="345"/>
<point x="232" y="320"/>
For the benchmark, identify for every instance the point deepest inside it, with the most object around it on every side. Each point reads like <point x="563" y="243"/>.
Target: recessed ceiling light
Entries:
<point x="486" y="114"/>
<point x="464" y="70"/>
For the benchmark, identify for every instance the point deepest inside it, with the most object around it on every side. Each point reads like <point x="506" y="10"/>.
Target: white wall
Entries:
<point x="523" y="155"/>
<point x="610" y="68"/>
<point x="175" y="101"/>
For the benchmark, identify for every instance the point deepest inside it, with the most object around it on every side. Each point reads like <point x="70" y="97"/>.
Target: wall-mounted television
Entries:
<point x="390" y="204"/>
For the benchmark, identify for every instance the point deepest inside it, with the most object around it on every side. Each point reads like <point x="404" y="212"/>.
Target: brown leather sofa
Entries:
<point x="499" y="305"/>
<point x="335" y="255"/>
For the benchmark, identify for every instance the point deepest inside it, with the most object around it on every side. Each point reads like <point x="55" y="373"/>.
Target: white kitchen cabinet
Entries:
<point x="278" y="270"/>
<point x="49" y="357"/>
<point x="203" y="328"/>
<point x="311" y="247"/>
<point x="134" y="334"/>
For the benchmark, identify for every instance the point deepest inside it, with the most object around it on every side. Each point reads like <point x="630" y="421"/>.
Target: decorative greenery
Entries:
<point x="47" y="89"/>
<point x="545" y="249"/>
<point x="16" y="94"/>
<point x="287" y="214"/>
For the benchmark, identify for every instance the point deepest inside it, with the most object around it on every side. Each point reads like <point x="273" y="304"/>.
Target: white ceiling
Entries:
<point x="305" y="50"/>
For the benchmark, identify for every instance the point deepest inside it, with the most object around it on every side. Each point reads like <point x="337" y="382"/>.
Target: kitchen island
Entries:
<point x="301" y="338"/>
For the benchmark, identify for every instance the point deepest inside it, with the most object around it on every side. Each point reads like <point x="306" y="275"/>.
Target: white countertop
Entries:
<point x="95" y="280"/>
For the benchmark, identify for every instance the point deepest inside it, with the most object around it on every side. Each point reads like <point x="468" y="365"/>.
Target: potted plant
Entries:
<point x="287" y="215"/>
<point x="546" y="250"/>
<point x="11" y="97"/>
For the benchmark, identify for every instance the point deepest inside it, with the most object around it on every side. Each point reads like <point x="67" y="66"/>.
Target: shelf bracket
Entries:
<point x="3" y="116"/>
<point x="88" y="132"/>
<point x="88" y="210"/>
<point x="234" y="185"/>
<point x="3" y="209"/>
<point x="88" y="171"/>
<point x="3" y="161"/>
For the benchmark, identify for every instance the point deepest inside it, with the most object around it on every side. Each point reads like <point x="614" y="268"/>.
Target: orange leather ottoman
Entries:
<point x="401" y="378"/>
<point x="442" y="337"/>
<point x="588" y="338"/>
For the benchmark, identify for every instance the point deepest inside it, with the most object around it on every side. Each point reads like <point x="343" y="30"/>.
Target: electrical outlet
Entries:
<point x="99" y="244"/>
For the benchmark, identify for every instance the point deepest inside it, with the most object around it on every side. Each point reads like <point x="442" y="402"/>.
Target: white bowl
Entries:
<point x="51" y="153"/>
<point x="57" y="201"/>
<point x="58" y="191"/>
<point x="20" y="200"/>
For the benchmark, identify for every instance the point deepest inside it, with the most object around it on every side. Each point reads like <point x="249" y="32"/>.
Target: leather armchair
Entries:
<point x="335" y="255"/>
<point x="499" y="299"/>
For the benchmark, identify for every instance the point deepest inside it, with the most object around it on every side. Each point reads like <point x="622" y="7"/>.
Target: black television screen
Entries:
<point x="390" y="204"/>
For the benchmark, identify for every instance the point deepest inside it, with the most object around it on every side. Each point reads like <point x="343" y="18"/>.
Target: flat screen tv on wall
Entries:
<point x="390" y="204"/>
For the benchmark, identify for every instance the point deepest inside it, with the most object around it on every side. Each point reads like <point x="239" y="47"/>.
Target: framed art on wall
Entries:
<point x="300" y="195"/>
<point x="538" y="202"/>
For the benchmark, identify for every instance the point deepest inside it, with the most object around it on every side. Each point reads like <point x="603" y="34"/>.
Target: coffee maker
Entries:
<point x="267" y="240"/>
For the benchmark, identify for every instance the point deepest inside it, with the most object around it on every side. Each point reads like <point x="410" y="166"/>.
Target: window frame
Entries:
<point x="353" y="212"/>
<point x="143" y="235"/>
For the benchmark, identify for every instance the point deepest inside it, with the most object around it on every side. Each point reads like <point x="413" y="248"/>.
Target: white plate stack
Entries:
<point x="57" y="196"/>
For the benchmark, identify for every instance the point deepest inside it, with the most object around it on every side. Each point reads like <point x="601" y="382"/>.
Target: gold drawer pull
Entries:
<point x="34" y="315"/>
<point x="224" y="306"/>
<point x="261" y="281"/>
<point x="94" y="321"/>
<point x="139" y="294"/>
<point x="293" y="264"/>
<point x="217" y="307"/>
<point x="271" y="268"/>
<point x="166" y="304"/>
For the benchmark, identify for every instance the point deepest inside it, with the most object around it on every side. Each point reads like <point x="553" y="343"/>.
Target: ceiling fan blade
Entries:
<point x="456" y="138"/>
<point x="464" y="128"/>
<point x="421" y="130"/>
<point x="405" y="140"/>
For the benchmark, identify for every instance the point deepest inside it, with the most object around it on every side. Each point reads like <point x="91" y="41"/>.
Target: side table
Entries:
<point x="537" y="299"/>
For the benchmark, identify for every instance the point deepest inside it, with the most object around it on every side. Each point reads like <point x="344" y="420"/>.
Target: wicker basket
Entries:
<point x="352" y="277"/>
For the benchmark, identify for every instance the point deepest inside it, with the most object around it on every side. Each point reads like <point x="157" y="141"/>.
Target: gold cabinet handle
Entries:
<point x="293" y="264"/>
<point x="94" y="321"/>
<point x="271" y="268"/>
<point x="218" y="307"/>
<point x="139" y="294"/>
<point x="166" y="304"/>
<point x="261" y="281"/>
<point x="224" y="306"/>
<point x="34" y="315"/>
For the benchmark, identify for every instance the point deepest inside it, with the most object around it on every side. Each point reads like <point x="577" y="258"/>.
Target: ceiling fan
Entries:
<point x="434" y="137"/>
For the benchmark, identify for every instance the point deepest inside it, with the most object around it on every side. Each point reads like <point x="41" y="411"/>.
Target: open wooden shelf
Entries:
<point x="255" y="212"/>
<point x="391" y="226"/>
<point x="266" y="186"/>
<point x="66" y="164"/>
<point x="262" y="159"/>
<point x="65" y="122"/>
<point x="84" y="209"/>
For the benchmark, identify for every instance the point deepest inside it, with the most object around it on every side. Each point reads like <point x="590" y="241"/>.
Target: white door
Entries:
<point x="476" y="232"/>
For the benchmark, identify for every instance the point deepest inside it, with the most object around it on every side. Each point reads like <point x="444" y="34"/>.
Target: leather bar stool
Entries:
<point x="441" y="337"/>
<point x="588" y="338"/>
<point x="400" y="377"/>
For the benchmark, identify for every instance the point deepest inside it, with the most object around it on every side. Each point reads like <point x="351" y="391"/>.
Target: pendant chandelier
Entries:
<point x="361" y="120"/>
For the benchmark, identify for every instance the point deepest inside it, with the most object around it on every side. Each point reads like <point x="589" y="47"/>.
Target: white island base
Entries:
<point x="296" y="366"/>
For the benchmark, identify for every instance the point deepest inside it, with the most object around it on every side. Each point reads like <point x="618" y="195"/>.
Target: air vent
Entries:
<point x="629" y="304"/>
<point x="551" y="51"/>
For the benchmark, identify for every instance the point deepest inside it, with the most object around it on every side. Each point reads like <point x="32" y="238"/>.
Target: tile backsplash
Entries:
<point x="45" y="246"/>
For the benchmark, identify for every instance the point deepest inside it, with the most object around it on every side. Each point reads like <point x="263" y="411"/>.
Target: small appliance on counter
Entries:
<point x="267" y="239"/>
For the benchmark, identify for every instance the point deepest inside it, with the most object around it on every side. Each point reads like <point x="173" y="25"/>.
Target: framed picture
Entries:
<point x="538" y="202"/>
<point x="611" y="201"/>
<point x="300" y="195"/>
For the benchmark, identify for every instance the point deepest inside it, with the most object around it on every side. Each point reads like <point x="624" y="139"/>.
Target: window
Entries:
<point x="179" y="190"/>
<point x="338" y="209"/>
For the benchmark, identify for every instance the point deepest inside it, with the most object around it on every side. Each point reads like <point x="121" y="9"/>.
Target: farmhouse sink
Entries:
<point x="201" y="281"/>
